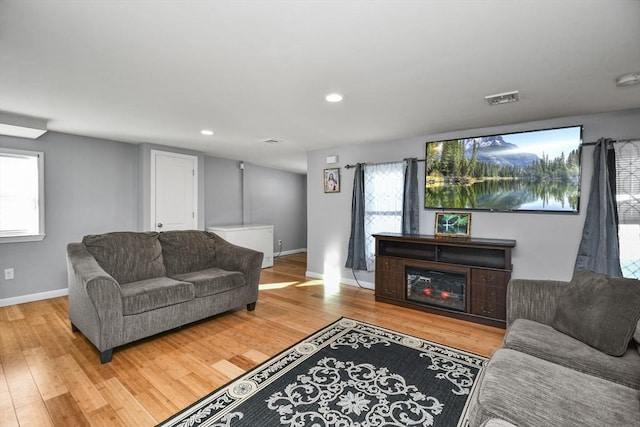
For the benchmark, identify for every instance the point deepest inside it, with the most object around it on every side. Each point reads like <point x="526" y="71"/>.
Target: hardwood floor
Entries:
<point x="52" y="377"/>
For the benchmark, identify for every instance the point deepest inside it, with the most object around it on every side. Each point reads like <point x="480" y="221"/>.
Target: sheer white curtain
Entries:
<point x="383" y="194"/>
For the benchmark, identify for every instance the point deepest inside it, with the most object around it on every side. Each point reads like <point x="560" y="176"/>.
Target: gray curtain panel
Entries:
<point x="411" y="202"/>
<point x="356" y="256"/>
<point x="599" y="249"/>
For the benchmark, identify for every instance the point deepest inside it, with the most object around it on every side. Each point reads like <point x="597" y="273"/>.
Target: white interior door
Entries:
<point x="174" y="192"/>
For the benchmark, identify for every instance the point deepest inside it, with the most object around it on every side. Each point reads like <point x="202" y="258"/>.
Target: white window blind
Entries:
<point x="628" y="204"/>
<point x="21" y="195"/>
<point x="628" y="181"/>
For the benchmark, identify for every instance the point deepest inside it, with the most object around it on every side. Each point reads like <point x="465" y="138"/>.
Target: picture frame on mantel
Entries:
<point x="453" y="224"/>
<point x="332" y="180"/>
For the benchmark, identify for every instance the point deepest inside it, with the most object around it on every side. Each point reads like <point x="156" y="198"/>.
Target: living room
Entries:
<point x="97" y="184"/>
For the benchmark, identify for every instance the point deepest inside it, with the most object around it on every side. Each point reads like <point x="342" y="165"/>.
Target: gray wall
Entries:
<point x="96" y="186"/>
<point x="90" y="187"/>
<point x="258" y="195"/>
<point x="223" y="181"/>
<point x="279" y="198"/>
<point x="546" y="243"/>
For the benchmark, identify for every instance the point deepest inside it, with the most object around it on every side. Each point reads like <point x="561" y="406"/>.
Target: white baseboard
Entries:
<point x="4" y="302"/>
<point x="343" y="280"/>
<point x="289" y="252"/>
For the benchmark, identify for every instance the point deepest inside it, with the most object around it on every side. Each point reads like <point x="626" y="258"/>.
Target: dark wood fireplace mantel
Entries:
<point x="486" y="263"/>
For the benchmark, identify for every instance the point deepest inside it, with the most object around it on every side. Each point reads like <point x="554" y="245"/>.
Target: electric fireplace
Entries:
<point x="439" y="288"/>
<point x="463" y="278"/>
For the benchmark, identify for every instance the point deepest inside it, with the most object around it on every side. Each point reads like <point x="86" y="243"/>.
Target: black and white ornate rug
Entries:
<point x="348" y="374"/>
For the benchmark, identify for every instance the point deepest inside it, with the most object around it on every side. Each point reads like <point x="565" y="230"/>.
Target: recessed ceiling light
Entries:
<point x="334" y="97"/>
<point x="502" y="98"/>
<point x="271" y="141"/>
<point x="629" y="79"/>
<point x="206" y="132"/>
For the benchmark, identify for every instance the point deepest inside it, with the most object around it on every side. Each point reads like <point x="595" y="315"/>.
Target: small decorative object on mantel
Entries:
<point x="332" y="180"/>
<point x="449" y="224"/>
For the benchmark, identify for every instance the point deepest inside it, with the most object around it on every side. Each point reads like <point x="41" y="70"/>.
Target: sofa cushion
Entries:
<point x="599" y="310"/>
<point x="187" y="250"/>
<point x="147" y="295"/>
<point x="127" y="256"/>
<point x="531" y="392"/>
<point x="212" y="281"/>
<point x="546" y="343"/>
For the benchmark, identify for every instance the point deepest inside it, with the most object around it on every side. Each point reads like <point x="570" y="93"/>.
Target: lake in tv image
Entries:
<point x="525" y="171"/>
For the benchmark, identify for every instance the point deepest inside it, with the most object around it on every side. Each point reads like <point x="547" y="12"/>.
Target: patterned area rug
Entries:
<point x="348" y="374"/>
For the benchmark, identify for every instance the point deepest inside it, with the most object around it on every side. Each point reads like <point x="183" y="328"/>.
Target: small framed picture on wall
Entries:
<point x="332" y="180"/>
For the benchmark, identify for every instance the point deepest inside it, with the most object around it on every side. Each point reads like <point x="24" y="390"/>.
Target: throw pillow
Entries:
<point x="127" y="256"/>
<point x="599" y="310"/>
<point x="187" y="251"/>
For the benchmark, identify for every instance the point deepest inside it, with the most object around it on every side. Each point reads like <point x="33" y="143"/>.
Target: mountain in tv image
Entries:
<point x="495" y="150"/>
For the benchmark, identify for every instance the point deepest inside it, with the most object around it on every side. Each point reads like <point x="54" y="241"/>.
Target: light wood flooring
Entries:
<point x="52" y="377"/>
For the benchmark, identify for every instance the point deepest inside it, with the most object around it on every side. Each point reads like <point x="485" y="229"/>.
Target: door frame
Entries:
<point x="152" y="185"/>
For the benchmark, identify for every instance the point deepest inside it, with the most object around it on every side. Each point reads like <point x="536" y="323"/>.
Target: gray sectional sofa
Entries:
<point x="125" y="286"/>
<point x="570" y="357"/>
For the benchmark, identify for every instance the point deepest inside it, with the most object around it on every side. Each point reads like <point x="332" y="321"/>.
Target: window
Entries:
<point x="628" y="203"/>
<point x="383" y="189"/>
<point x="21" y="195"/>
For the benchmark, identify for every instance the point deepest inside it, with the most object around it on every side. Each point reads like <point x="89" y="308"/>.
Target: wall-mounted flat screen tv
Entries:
<point x="535" y="171"/>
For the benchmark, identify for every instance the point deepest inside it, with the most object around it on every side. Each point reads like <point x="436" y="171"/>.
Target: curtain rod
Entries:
<point x="422" y="160"/>
<point x="613" y="141"/>
<point x="382" y="163"/>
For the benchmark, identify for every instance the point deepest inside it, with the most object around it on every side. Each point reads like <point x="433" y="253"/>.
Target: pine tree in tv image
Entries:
<point x="526" y="171"/>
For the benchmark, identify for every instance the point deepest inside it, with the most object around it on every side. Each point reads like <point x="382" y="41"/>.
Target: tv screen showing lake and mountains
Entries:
<point x="535" y="171"/>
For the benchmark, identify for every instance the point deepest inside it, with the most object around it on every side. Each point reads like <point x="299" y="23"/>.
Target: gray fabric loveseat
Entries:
<point x="125" y="286"/>
<point x="570" y="357"/>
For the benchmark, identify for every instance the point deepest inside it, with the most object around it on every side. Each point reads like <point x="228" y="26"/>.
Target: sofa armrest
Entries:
<point x="95" y="301"/>
<point x="532" y="299"/>
<point x="237" y="258"/>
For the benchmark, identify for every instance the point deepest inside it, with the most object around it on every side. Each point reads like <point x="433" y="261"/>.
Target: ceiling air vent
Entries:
<point x="502" y="98"/>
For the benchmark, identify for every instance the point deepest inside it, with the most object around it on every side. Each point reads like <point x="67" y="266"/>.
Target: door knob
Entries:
<point x="159" y="225"/>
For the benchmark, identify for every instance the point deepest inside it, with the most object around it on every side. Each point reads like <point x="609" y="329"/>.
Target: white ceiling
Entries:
<point x="160" y="71"/>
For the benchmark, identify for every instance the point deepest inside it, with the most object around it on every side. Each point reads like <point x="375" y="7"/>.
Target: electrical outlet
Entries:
<point x="280" y="242"/>
<point x="8" y="273"/>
